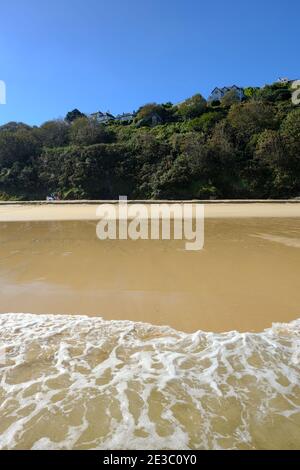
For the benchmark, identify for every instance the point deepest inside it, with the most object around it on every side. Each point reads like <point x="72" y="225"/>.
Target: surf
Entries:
<point x="78" y="382"/>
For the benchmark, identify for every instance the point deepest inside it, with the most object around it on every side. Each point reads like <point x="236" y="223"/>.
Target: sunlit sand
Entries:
<point x="91" y="364"/>
<point x="245" y="278"/>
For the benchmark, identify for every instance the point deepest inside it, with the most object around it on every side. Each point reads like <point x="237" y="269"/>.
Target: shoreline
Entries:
<point x="152" y="201"/>
<point x="39" y="211"/>
<point x="286" y="325"/>
<point x="245" y="278"/>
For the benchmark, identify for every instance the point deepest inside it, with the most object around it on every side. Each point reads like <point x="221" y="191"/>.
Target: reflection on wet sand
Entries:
<point x="241" y="280"/>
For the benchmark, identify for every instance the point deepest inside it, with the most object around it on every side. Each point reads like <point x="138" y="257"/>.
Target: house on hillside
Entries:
<point x="125" y="117"/>
<point x="218" y="93"/>
<point x="283" y="80"/>
<point x="102" y="118"/>
<point x="152" y="119"/>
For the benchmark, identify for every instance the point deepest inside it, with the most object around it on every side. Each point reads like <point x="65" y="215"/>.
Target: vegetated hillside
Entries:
<point x="228" y="149"/>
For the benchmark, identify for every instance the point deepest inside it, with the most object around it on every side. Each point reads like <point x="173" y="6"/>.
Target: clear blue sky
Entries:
<point x="119" y="54"/>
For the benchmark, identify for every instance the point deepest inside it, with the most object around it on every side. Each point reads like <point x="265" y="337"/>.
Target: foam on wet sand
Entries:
<point x="77" y="382"/>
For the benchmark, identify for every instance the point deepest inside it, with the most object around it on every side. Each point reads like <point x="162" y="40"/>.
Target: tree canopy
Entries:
<point x="195" y="149"/>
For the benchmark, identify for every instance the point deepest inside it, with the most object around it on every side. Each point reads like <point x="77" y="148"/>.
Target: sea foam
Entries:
<point x="78" y="382"/>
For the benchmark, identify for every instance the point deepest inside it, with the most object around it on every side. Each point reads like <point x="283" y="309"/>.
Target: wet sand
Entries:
<point x="78" y="382"/>
<point x="245" y="278"/>
<point x="81" y="382"/>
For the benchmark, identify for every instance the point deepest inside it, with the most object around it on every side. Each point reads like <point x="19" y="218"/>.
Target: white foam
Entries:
<point x="70" y="382"/>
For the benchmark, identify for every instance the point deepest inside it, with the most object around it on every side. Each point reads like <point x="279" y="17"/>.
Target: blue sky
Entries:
<point x="119" y="54"/>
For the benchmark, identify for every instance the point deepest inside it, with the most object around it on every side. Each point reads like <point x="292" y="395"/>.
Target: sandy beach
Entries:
<point x="244" y="279"/>
<point x="89" y="360"/>
<point x="77" y="210"/>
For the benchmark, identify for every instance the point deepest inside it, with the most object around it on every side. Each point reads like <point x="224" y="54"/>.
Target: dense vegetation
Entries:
<point x="228" y="149"/>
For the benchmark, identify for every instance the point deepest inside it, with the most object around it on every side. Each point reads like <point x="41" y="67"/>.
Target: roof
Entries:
<point x="100" y="114"/>
<point x="226" y="88"/>
<point x="124" y="115"/>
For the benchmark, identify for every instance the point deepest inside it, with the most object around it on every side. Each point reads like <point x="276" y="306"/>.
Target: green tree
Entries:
<point x="230" y="98"/>
<point x="152" y="114"/>
<point x="17" y="146"/>
<point x="192" y="107"/>
<point x="274" y="93"/>
<point x="224" y="162"/>
<point x="205" y="122"/>
<point x="290" y="132"/>
<point x="250" y="91"/>
<point x="87" y="131"/>
<point x="248" y="149"/>
<point x="270" y="148"/>
<point x="13" y="126"/>
<point x="73" y="115"/>
<point x="251" y="118"/>
<point x="290" y="129"/>
<point x="54" y="133"/>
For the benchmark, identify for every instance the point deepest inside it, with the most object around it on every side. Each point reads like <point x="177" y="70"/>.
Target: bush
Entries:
<point x="192" y="107"/>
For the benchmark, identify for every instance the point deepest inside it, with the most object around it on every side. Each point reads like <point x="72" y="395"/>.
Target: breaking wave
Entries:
<point x="77" y="382"/>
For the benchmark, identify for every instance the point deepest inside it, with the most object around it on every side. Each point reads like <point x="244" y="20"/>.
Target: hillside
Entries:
<point x="196" y="149"/>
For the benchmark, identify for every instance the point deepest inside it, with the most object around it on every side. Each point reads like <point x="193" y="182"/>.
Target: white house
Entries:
<point x="218" y="93"/>
<point x="283" y="80"/>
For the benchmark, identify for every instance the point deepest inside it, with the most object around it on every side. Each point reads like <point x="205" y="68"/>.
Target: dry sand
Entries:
<point x="87" y="211"/>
